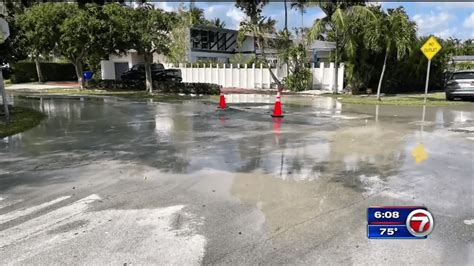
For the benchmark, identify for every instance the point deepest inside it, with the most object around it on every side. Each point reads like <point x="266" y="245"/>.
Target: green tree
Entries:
<point x="300" y="5"/>
<point x="217" y="22"/>
<point x="336" y="26"/>
<point x="86" y="36"/>
<point x="197" y="16"/>
<point x="253" y="10"/>
<point x="39" y="26"/>
<point x="263" y="32"/>
<point x="14" y="48"/>
<point x="150" y="30"/>
<point x="391" y="32"/>
<point x="179" y="36"/>
<point x="300" y="77"/>
<point x="286" y="16"/>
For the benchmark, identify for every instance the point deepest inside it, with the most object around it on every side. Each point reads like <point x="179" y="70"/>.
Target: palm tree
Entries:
<point x="392" y="32"/>
<point x="217" y="22"/>
<point x="197" y="15"/>
<point x="253" y="11"/>
<point x="336" y="26"/>
<point x="301" y="6"/>
<point x="286" y="16"/>
<point x="260" y="31"/>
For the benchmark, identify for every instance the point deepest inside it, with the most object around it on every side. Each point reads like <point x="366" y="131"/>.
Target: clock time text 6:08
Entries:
<point x="386" y="214"/>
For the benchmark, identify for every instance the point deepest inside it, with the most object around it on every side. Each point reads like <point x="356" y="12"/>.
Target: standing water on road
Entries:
<point x="232" y="186"/>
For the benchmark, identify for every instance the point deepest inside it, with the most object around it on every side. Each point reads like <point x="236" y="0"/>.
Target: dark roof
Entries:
<point x="211" y="28"/>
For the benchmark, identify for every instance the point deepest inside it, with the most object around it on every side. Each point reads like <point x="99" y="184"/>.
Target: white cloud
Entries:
<point x="469" y="22"/>
<point x="446" y="5"/>
<point x="433" y="23"/>
<point x="164" y="6"/>
<point x="445" y="33"/>
<point x="236" y="16"/>
<point x="228" y="13"/>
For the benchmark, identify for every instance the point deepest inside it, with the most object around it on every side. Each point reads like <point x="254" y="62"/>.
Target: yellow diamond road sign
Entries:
<point x="431" y="47"/>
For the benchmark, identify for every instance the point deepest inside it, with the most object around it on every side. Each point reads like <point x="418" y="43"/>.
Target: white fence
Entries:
<point x="255" y="77"/>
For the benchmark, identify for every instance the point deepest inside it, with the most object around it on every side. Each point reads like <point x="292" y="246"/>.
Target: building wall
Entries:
<point x="132" y="58"/>
<point x="195" y="56"/>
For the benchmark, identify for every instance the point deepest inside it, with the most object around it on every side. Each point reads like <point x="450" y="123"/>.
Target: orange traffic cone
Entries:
<point x="277" y="109"/>
<point x="222" y="104"/>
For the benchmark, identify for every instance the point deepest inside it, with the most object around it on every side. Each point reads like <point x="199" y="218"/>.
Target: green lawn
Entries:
<point x="21" y="119"/>
<point x="433" y="99"/>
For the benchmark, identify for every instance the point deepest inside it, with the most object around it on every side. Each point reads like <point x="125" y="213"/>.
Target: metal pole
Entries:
<point x="427" y="80"/>
<point x="4" y="97"/>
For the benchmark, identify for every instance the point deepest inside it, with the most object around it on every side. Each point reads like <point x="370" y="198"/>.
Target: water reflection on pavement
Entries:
<point x="271" y="191"/>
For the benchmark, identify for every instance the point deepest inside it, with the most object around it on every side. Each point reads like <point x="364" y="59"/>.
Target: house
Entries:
<point x="458" y="62"/>
<point x="210" y="44"/>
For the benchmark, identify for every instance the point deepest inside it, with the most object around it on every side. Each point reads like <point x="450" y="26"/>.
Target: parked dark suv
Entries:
<point x="158" y="73"/>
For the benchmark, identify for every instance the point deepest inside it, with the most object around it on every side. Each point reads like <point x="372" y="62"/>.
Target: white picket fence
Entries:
<point x="255" y="77"/>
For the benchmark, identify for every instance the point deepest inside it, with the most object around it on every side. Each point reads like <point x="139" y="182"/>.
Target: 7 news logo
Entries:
<point x="399" y="222"/>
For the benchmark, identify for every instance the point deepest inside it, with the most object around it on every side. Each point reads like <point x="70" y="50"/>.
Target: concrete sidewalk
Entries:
<point x="42" y="86"/>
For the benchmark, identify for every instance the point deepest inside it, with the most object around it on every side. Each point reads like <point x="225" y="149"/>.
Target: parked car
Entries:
<point x="460" y="85"/>
<point x="158" y="73"/>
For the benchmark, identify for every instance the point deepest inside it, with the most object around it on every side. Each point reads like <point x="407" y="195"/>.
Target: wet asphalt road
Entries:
<point x="115" y="181"/>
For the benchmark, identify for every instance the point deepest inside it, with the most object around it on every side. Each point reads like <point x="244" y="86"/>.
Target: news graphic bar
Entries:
<point x="399" y="222"/>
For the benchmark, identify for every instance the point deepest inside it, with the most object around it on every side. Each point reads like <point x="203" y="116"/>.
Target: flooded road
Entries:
<point x="104" y="180"/>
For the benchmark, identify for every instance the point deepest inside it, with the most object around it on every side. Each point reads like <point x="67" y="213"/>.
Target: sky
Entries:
<point x="443" y="19"/>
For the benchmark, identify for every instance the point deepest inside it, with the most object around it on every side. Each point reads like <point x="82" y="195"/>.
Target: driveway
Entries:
<point x="110" y="181"/>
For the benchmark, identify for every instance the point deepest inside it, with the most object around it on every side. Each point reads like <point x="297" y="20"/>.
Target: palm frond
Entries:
<point x="318" y="28"/>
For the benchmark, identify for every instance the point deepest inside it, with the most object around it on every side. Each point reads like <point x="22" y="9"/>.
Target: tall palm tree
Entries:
<point x="336" y="26"/>
<point x="301" y="6"/>
<point x="392" y="32"/>
<point x="260" y="31"/>
<point x="253" y="11"/>
<point x="217" y="22"/>
<point x="286" y="16"/>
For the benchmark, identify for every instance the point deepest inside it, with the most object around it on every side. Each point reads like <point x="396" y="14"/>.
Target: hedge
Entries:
<point x="26" y="72"/>
<point x="165" y="87"/>
<point x="187" y="88"/>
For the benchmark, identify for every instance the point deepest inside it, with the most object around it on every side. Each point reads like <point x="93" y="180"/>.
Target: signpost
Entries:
<point x="4" y="33"/>
<point x="430" y="49"/>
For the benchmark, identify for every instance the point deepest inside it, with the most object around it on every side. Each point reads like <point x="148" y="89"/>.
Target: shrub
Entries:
<point x="300" y="77"/>
<point x="299" y="81"/>
<point x="115" y="84"/>
<point x="26" y="72"/>
<point x="187" y="88"/>
<point x="165" y="87"/>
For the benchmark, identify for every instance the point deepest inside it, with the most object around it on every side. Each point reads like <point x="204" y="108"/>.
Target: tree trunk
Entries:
<point x="381" y="75"/>
<point x="302" y="24"/>
<point x="285" y="30"/>
<point x="149" y="80"/>
<point x="286" y="17"/>
<point x="274" y="77"/>
<point x="336" y="67"/>
<point x="38" y="70"/>
<point x="79" y="73"/>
